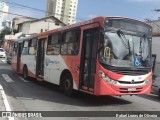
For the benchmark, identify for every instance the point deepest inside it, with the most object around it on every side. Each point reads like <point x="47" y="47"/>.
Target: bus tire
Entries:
<point x="67" y="84"/>
<point x="25" y="72"/>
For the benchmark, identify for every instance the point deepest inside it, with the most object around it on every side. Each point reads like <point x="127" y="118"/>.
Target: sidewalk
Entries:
<point x="2" y="107"/>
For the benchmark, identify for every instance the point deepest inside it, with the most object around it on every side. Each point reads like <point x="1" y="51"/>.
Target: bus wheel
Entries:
<point x="25" y="72"/>
<point x="67" y="84"/>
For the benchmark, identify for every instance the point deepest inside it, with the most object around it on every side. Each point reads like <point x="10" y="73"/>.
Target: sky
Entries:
<point x="138" y="9"/>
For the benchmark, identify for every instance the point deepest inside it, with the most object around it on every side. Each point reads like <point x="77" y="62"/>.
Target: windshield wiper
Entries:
<point x="124" y="39"/>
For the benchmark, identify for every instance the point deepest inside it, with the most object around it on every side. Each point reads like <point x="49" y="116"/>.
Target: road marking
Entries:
<point x="23" y="79"/>
<point x="7" y="78"/>
<point x="5" y="101"/>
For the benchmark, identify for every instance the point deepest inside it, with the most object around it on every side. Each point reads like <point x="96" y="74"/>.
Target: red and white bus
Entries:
<point x="101" y="56"/>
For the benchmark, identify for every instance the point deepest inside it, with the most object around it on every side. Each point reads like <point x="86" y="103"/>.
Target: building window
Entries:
<point x="57" y="23"/>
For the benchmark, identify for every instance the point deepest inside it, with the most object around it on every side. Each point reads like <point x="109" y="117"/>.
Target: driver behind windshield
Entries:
<point x="106" y="50"/>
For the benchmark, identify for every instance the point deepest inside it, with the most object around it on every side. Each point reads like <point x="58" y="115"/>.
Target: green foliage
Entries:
<point x="5" y="31"/>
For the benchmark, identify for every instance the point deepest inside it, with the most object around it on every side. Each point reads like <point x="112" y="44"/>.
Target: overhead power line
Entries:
<point x="35" y="9"/>
<point x="16" y="14"/>
<point x="22" y="15"/>
<point x="24" y="6"/>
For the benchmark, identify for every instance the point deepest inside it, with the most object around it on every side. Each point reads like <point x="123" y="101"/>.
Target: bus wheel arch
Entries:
<point x="25" y="72"/>
<point x="66" y="82"/>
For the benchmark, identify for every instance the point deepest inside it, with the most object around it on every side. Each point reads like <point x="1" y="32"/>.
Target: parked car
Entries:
<point x="2" y="53"/>
<point x="156" y="86"/>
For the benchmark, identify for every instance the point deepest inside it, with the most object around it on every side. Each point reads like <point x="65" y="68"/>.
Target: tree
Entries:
<point x="4" y="31"/>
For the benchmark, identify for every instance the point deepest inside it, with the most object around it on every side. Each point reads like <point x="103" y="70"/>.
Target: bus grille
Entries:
<point x="127" y="82"/>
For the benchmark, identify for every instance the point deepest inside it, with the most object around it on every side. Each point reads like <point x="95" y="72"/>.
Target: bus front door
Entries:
<point x="40" y="59"/>
<point x="19" y="51"/>
<point x="88" y="59"/>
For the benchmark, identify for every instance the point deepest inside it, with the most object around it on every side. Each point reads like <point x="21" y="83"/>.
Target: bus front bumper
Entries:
<point x="104" y="88"/>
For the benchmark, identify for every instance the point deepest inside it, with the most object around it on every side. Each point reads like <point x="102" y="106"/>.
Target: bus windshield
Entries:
<point x="125" y="47"/>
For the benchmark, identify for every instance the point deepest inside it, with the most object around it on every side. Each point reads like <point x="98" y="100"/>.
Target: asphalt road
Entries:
<point x="31" y="95"/>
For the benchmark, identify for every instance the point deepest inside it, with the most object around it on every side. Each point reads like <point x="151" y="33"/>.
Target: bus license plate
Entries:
<point x="131" y="89"/>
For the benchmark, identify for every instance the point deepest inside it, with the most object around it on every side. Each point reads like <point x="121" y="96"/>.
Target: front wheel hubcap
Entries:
<point x="67" y="84"/>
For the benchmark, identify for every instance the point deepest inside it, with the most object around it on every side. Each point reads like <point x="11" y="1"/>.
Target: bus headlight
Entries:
<point x="106" y="78"/>
<point x="148" y="81"/>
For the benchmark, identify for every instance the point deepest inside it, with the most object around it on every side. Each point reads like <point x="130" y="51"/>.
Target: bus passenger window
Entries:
<point x="70" y="42"/>
<point x="53" y="44"/>
<point x="64" y="49"/>
<point x="32" y="51"/>
<point x="25" y="51"/>
<point x="25" y="48"/>
<point x="15" y="49"/>
<point x="33" y="47"/>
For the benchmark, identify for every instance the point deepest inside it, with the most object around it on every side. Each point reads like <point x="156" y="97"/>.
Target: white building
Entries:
<point x="3" y="15"/>
<point x="155" y="25"/>
<point x="65" y="10"/>
<point x="40" y="25"/>
<point x="3" y="7"/>
<point x="18" y="20"/>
